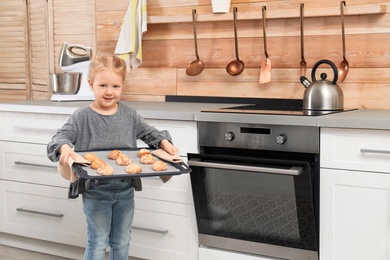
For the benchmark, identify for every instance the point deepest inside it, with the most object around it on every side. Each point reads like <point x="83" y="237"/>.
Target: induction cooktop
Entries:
<point x="258" y="109"/>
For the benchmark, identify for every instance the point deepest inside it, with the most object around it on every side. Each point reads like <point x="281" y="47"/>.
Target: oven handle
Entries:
<point x="294" y="170"/>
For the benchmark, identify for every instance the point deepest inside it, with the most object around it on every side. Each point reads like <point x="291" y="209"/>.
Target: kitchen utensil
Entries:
<point x="196" y="66"/>
<point x="74" y="53"/>
<point x="67" y="83"/>
<point x="323" y="94"/>
<point x="302" y="64"/>
<point x="344" y="65"/>
<point x="265" y="71"/>
<point x="237" y="66"/>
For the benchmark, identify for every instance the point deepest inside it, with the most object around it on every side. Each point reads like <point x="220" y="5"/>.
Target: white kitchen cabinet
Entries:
<point x="355" y="194"/>
<point x="41" y="212"/>
<point x="35" y="207"/>
<point x="178" y="188"/>
<point x="30" y="127"/>
<point x="25" y="162"/>
<point x="163" y="230"/>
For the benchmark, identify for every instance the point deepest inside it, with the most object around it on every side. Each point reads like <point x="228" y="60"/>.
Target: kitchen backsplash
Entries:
<point x="168" y="47"/>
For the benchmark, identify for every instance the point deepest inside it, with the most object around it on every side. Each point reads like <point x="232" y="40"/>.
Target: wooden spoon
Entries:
<point x="302" y="64"/>
<point x="196" y="66"/>
<point x="265" y="71"/>
<point x="236" y="66"/>
<point x="344" y="65"/>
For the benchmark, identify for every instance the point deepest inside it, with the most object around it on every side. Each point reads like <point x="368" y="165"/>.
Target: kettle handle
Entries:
<point x="313" y="72"/>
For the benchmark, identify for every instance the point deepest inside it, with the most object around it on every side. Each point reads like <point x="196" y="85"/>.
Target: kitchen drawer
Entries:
<point x="30" y="127"/>
<point x="41" y="212"/>
<point x="177" y="189"/>
<point x="183" y="133"/>
<point x="163" y="230"/>
<point x="355" y="149"/>
<point x="26" y="162"/>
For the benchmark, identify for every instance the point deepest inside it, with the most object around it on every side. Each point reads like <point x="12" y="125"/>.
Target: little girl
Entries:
<point x="103" y="125"/>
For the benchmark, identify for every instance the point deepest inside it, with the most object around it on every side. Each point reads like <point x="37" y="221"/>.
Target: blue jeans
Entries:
<point x="109" y="210"/>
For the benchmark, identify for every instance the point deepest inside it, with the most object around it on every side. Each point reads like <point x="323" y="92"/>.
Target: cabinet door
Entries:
<point x="355" y="215"/>
<point x="163" y="230"/>
<point x="355" y="149"/>
<point x="41" y="212"/>
<point x="13" y="51"/>
<point x="39" y="58"/>
<point x="183" y="133"/>
<point x="30" y="127"/>
<point x="25" y="162"/>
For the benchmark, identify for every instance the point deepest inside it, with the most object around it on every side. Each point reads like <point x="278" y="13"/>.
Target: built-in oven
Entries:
<point x="256" y="189"/>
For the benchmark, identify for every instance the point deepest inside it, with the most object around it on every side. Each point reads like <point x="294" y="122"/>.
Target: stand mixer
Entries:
<point x="75" y="58"/>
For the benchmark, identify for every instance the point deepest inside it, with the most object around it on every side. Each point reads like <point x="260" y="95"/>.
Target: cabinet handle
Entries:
<point x="35" y="164"/>
<point x="374" y="151"/>
<point x="159" y="231"/>
<point x="40" y="213"/>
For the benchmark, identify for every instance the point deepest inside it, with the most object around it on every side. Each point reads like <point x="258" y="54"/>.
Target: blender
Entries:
<point x="73" y="59"/>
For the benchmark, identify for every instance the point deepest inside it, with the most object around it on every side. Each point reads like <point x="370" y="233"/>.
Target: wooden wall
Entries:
<point x="169" y="47"/>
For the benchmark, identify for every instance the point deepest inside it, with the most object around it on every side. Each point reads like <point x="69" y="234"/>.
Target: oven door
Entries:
<point x="257" y="203"/>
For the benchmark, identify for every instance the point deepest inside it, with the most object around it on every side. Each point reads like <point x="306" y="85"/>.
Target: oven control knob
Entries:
<point x="229" y="136"/>
<point x="281" y="139"/>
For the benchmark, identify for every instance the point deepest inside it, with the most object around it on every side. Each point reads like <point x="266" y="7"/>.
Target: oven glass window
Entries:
<point x="260" y="207"/>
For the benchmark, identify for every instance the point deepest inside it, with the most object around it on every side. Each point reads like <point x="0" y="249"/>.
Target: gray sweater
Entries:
<point x="87" y="130"/>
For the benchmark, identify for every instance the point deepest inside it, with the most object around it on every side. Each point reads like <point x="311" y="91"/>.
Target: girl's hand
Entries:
<point x="169" y="148"/>
<point x="65" y="152"/>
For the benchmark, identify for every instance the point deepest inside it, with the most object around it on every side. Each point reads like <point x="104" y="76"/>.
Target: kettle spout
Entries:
<point x="305" y="82"/>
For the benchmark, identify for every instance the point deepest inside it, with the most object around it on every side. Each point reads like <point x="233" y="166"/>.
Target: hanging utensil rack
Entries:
<point x="367" y="9"/>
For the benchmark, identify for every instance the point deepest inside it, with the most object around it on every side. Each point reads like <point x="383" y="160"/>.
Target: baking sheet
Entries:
<point x="86" y="172"/>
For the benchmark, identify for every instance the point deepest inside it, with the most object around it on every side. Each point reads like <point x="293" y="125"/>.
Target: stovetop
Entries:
<point x="265" y="106"/>
<point x="258" y="109"/>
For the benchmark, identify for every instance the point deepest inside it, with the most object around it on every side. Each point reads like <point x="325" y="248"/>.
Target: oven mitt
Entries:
<point x="66" y="171"/>
<point x="77" y="186"/>
<point x="160" y="153"/>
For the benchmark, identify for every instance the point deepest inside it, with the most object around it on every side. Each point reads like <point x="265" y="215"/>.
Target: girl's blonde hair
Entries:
<point x="112" y="62"/>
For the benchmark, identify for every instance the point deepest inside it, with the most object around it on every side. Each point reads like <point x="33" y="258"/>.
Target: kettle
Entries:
<point x="322" y="95"/>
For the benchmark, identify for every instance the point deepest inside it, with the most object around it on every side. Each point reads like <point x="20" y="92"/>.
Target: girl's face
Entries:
<point x="107" y="88"/>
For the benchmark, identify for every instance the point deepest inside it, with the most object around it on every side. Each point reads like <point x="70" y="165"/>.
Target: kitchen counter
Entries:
<point x="365" y="119"/>
<point x="188" y="111"/>
<point x="151" y="110"/>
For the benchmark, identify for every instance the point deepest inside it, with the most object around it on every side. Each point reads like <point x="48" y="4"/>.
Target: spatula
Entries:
<point x="265" y="71"/>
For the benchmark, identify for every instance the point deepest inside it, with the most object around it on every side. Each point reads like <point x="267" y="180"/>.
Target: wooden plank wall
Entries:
<point x="169" y="47"/>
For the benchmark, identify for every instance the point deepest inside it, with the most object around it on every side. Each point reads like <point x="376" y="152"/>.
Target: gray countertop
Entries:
<point x="366" y="119"/>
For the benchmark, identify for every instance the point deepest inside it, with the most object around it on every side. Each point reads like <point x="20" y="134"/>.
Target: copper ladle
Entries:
<point x="236" y="66"/>
<point x="196" y="66"/>
<point x="302" y="64"/>
<point x="344" y="65"/>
